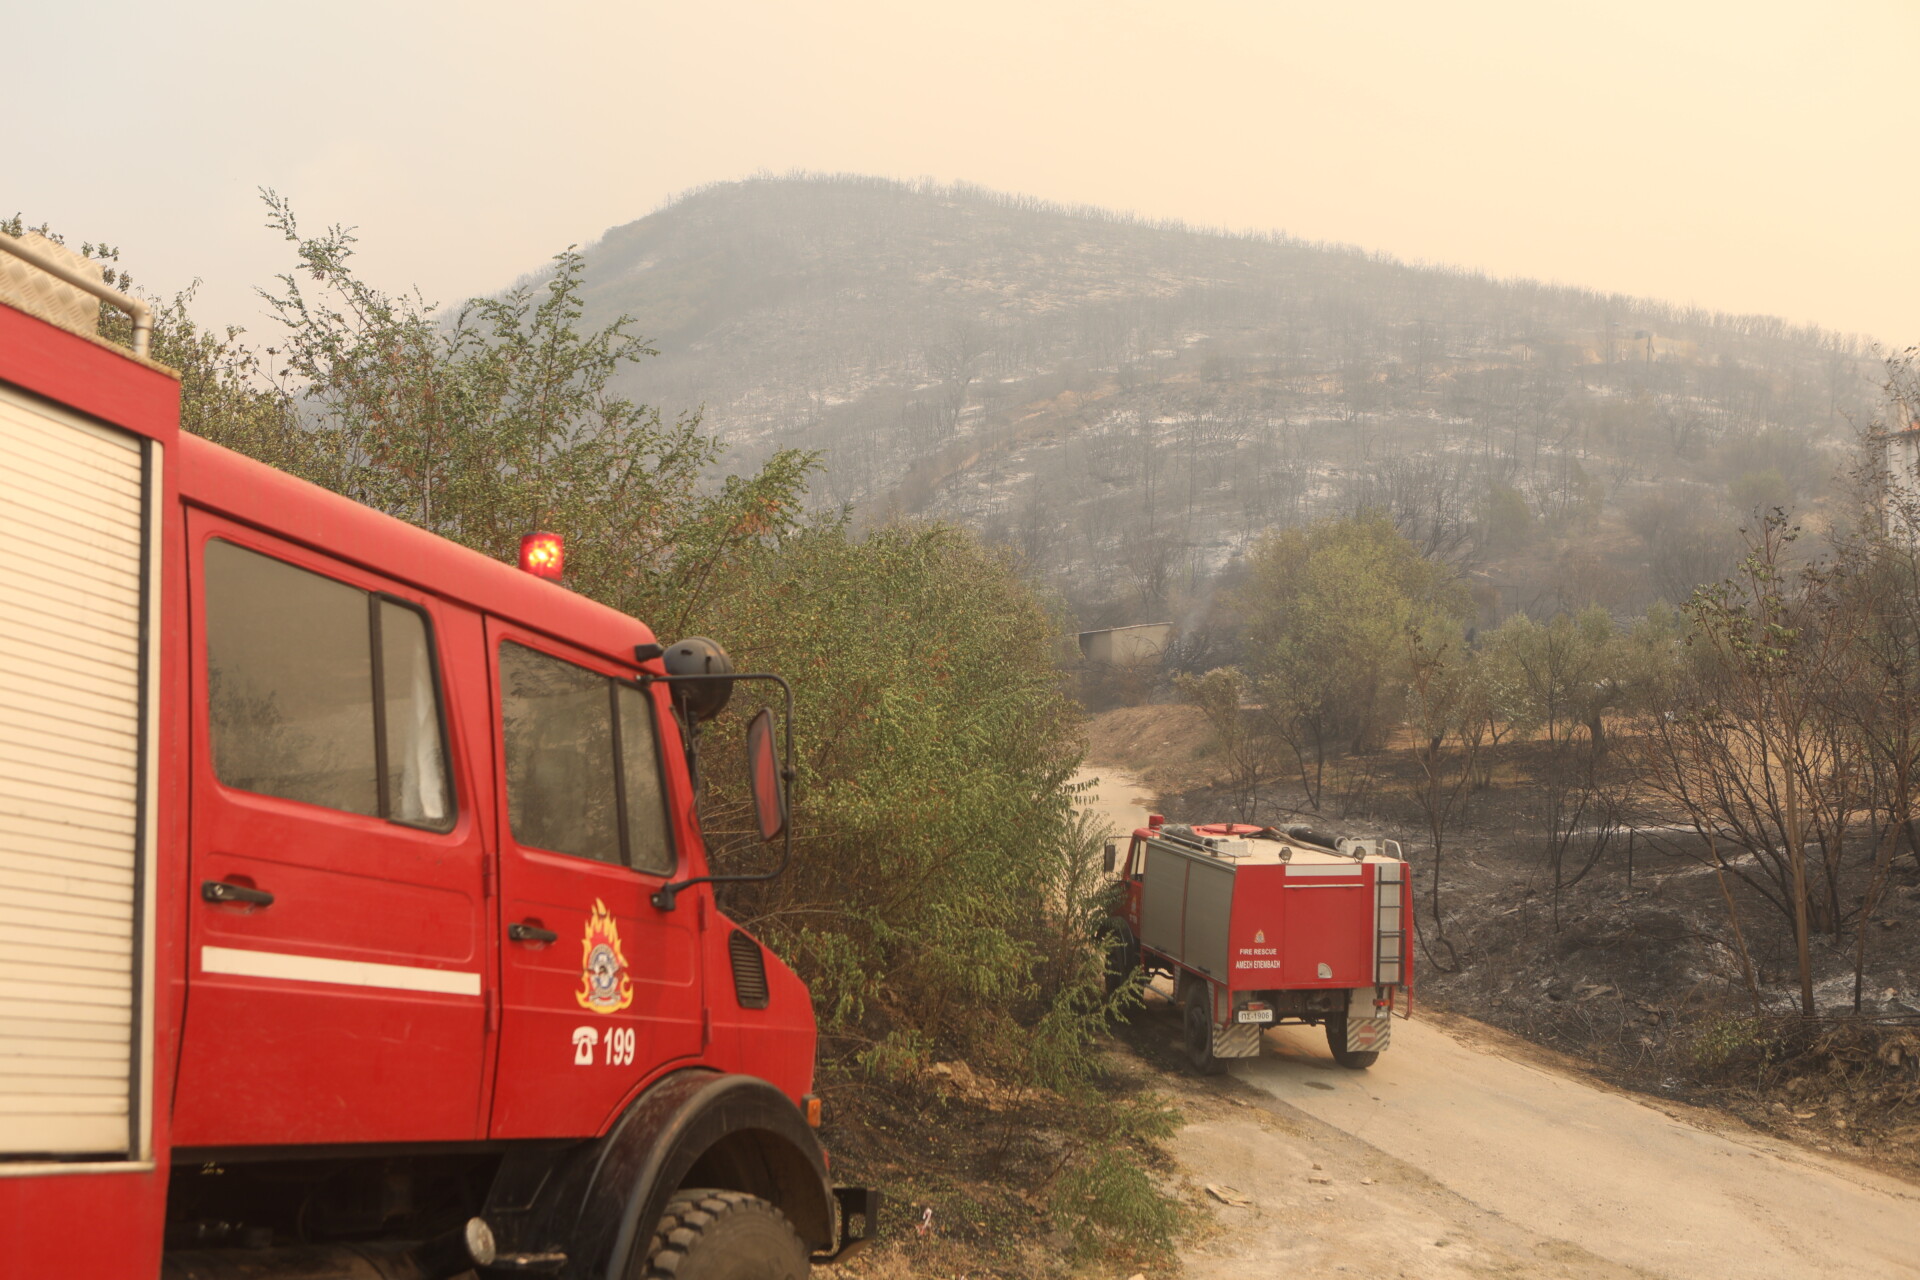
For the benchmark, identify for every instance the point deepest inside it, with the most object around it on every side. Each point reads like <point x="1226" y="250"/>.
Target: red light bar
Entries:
<point x="544" y="555"/>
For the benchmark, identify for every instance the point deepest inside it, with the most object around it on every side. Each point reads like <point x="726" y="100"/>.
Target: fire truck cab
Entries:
<point x="345" y="924"/>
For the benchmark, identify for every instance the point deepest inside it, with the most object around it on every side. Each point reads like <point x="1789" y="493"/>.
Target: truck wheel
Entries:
<point x="1337" y="1041"/>
<point x="1123" y="953"/>
<point x="722" y="1235"/>
<point x="1199" y="1025"/>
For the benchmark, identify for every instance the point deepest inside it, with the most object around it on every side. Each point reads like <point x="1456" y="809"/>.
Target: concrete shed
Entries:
<point x="1127" y="646"/>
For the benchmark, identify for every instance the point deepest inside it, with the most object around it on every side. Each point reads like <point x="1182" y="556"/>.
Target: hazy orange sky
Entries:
<point x="1745" y="157"/>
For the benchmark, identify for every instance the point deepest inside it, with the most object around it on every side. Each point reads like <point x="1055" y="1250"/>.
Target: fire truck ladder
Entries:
<point x="1389" y="940"/>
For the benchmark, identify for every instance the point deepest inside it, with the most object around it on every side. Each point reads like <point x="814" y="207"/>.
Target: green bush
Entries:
<point x="1723" y="1041"/>
<point x="1106" y="1198"/>
<point x="935" y="831"/>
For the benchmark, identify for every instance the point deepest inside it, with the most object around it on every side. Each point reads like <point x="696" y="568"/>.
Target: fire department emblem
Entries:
<point x="1260" y="935"/>
<point x="604" y="984"/>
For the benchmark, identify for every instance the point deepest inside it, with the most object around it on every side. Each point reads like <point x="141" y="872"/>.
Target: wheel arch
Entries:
<point x="693" y="1128"/>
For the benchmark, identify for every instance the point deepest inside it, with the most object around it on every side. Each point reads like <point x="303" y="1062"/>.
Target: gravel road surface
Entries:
<point x="1669" y="1190"/>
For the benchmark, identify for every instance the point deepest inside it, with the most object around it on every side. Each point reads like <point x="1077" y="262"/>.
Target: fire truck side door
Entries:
<point x="598" y="988"/>
<point x="337" y="937"/>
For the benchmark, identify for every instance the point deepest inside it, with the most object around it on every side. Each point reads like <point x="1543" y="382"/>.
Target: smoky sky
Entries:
<point x="1743" y="157"/>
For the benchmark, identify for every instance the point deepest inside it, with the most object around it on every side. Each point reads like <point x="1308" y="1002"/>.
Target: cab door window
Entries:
<point x="649" y="847"/>
<point x="322" y="693"/>
<point x="583" y="763"/>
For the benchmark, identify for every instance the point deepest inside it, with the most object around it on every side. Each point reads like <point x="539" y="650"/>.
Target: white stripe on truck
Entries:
<point x="342" y="973"/>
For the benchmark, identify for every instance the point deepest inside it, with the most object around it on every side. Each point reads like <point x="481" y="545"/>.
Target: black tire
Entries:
<point x="1337" y="1042"/>
<point x="1123" y="952"/>
<point x="722" y="1235"/>
<point x="1199" y="1029"/>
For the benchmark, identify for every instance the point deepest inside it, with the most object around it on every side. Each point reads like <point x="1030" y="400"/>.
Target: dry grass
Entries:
<point x="1170" y="747"/>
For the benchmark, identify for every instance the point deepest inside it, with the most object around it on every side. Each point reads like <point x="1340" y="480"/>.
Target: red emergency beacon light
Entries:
<point x="544" y="555"/>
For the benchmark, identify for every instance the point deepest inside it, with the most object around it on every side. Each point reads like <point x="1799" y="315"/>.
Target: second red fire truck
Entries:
<point x="355" y="915"/>
<point x="1259" y="926"/>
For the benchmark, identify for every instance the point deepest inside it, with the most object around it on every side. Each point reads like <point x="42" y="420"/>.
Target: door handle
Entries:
<point x="530" y="933"/>
<point x="221" y="891"/>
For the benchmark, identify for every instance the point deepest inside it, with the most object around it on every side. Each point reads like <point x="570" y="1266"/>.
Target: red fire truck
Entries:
<point x="355" y="919"/>
<point x="1258" y="926"/>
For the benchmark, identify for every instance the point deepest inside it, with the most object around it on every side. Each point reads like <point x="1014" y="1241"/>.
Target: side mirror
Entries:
<point x="763" y="777"/>
<point x="1113" y="857"/>
<point x="767" y="773"/>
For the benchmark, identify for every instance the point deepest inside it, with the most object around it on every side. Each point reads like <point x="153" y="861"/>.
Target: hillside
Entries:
<point x="1130" y="403"/>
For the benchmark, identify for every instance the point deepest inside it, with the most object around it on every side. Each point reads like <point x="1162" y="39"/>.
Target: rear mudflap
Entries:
<point x="1369" y="1035"/>
<point x="1237" y="1040"/>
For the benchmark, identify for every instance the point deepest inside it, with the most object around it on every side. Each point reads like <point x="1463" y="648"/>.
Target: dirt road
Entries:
<point x="1117" y="798"/>
<point x="1670" y="1191"/>
<point x="1461" y="1154"/>
<point x="1465" y="1153"/>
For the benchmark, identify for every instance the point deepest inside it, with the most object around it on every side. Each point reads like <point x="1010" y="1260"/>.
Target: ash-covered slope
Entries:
<point x="1130" y="403"/>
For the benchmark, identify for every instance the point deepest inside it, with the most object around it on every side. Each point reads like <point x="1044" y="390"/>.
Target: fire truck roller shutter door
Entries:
<point x="1208" y="909"/>
<point x="1163" y="913"/>
<point x="72" y="823"/>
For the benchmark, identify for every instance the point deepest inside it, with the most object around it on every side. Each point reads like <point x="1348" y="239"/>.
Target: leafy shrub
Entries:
<point x="1721" y="1041"/>
<point x="1106" y="1197"/>
<point x="935" y="828"/>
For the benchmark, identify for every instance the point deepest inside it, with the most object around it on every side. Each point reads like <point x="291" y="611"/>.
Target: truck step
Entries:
<point x="525" y="1264"/>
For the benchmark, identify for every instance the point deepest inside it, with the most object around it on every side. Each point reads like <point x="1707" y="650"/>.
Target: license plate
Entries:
<point x="1256" y="1015"/>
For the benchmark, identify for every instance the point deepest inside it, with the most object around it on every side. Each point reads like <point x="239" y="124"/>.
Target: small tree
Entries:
<point x="1880" y="706"/>
<point x="1757" y="751"/>
<point x="1222" y="695"/>
<point x="502" y="420"/>
<point x="1564" y="678"/>
<point x="1446" y="710"/>
<point x="1506" y="521"/>
<point x="1327" y="611"/>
